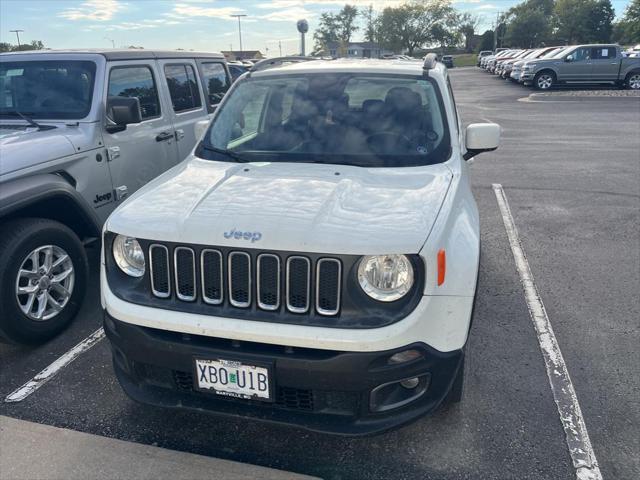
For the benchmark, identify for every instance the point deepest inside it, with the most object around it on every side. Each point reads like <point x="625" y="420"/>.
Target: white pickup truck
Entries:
<point x="79" y="132"/>
<point x="314" y="260"/>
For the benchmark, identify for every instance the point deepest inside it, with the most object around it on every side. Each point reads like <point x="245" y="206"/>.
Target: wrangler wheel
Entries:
<point x="43" y="275"/>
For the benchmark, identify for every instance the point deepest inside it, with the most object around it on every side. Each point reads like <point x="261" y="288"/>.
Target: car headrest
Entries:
<point x="372" y="106"/>
<point x="401" y="99"/>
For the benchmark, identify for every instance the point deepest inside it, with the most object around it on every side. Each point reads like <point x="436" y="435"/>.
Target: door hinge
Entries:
<point x="113" y="153"/>
<point x="121" y="192"/>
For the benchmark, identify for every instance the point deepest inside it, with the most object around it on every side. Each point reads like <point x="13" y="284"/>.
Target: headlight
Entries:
<point x="385" y="277"/>
<point x="128" y="255"/>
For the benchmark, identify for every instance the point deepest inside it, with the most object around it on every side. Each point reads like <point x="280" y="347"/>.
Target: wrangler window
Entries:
<point x="183" y="87"/>
<point x="216" y="82"/>
<point x="136" y="82"/>
<point x="57" y="89"/>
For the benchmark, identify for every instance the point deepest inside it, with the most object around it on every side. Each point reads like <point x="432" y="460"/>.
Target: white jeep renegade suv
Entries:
<point x="314" y="261"/>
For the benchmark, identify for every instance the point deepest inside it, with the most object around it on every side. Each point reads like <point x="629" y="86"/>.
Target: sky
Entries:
<point x="201" y="25"/>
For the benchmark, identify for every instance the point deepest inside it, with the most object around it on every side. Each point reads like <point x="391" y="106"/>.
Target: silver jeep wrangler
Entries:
<point x="79" y="132"/>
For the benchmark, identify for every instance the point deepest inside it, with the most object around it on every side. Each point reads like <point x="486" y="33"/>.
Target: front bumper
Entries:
<point x="526" y="76"/>
<point x="319" y="390"/>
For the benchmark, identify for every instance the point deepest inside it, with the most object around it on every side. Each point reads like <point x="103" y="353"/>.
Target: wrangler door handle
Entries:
<point x="162" y="136"/>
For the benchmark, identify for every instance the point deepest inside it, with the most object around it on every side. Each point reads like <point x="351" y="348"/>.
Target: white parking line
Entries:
<point x="580" y="449"/>
<point x="48" y="373"/>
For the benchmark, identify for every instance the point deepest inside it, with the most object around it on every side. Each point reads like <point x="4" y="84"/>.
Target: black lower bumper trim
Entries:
<point x="319" y="390"/>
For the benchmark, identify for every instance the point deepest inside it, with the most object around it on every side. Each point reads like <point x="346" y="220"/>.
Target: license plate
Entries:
<point x="232" y="378"/>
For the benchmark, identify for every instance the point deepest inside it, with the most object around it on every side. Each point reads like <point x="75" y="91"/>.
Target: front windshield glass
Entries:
<point x="56" y="89"/>
<point x="559" y="53"/>
<point x="340" y="118"/>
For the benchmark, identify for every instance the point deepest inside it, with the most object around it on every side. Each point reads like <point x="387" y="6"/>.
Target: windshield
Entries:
<point x="340" y="118"/>
<point x="559" y="53"/>
<point x="58" y="89"/>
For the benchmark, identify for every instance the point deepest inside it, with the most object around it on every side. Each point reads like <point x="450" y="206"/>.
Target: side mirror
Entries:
<point x="481" y="137"/>
<point x="123" y="111"/>
<point x="568" y="58"/>
<point x="200" y="129"/>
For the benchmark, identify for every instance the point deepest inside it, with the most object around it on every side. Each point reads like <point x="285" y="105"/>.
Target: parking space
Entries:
<point x="570" y="170"/>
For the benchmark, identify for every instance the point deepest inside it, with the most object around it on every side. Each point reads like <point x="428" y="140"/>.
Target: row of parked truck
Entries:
<point x="546" y="67"/>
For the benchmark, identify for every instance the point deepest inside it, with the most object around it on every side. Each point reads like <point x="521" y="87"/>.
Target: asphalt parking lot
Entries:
<point x="570" y="168"/>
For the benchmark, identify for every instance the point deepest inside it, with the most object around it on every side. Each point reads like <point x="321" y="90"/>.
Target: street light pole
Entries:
<point x="113" y="43"/>
<point x="239" y="16"/>
<point x="17" y="32"/>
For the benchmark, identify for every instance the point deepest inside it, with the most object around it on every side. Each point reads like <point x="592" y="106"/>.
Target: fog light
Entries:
<point x="410" y="383"/>
<point x="398" y="393"/>
<point x="403" y="357"/>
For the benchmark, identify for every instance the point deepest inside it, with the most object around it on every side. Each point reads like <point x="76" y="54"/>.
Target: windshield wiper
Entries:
<point x="226" y="153"/>
<point x="29" y="120"/>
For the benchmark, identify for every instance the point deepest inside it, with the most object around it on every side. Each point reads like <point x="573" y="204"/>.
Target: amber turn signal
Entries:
<point x="442" y="266"/>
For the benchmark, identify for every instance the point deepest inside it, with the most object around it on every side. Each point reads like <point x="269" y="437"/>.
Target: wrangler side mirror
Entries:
<point x="122" y="111"/>
<point x="481" y="137"/>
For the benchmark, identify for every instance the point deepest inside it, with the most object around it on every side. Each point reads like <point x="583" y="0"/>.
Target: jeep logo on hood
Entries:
<point x="238" y="235"/>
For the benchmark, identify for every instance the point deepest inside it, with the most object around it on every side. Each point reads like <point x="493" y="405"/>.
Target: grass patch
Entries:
<point x="465" y="60"/>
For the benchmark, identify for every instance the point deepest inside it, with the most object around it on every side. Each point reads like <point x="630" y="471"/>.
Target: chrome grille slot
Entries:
<point x="185" y="273"/>
<point x="159" y="269"/>
<point x="298" y="283"/>
<point x="240" y="279"/>
<point x="268" y="281"/>
<point x="328" y="286"/>
<point x="211" y="276"/>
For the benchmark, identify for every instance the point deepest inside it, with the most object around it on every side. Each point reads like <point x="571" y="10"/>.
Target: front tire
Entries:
<point x="43" y="277"/>
<point x="633" y="81"/>
<point x="544" y="80"/>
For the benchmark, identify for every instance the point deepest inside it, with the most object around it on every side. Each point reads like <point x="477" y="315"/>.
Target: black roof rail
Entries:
<point x="430" y="60"/>
<point x="272" y="62"/>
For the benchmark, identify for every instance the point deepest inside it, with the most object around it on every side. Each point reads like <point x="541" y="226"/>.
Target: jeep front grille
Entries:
<point x="160" y="281"/>
<point x="266" y="281"/>
<point x="211" y="276"/>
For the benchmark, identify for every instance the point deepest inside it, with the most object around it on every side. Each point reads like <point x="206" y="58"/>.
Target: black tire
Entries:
<point x="632" y="81"/>
<point x="538" y="84"/>
<point x="21" y="237"/>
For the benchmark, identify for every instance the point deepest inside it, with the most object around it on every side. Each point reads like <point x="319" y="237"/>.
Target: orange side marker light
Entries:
<point x="442" y="266"/>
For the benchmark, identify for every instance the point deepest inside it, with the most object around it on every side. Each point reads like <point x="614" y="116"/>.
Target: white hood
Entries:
<point x="285" y="206"/>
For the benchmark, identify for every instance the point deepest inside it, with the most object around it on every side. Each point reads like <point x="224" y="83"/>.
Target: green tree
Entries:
<point x="486" y="41"/>
<point x="468" y="24"/>
<point x="583" y="21"/>
<point x="446" y="31"/>
<point x="600" y="21"/>
<point x="34" y="45"/>
<point x="415" y="24"/>
<point x="527" y="26"/>
<point x="336" y="27"/>
<point x="347" y="23"/>
<point x="370" y="24"/>
<point x="627" y="30"/>
<point x="327" y="31"/>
